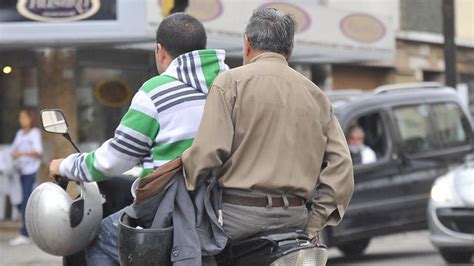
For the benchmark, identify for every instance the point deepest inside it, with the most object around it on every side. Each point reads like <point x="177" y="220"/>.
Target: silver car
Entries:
<point x="451" y="213"/>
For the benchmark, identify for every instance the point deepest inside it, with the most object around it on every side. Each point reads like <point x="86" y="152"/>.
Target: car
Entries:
<point x="451" y="213"/>
<point x="417" y="131"/>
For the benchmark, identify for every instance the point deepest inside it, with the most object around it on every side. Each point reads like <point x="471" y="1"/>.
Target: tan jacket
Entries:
<point x="267" y="128"/>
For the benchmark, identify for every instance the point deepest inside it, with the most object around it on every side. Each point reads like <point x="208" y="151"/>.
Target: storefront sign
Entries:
<point x="362" y="28"/>
<point x="58" y="10"/>
<point x="40" y="23"/>
<point x="205" y="10"/>
<point x="113" y="93"/>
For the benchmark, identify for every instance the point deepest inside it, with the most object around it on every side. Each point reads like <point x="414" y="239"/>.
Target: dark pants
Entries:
<point x="27" y="182"/>
<point x="243" y="221"/>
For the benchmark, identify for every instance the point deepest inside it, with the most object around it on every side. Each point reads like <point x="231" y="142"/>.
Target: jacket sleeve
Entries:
<point x="213" y="142"/>
<point x="131" y="143"/>
<point x="336" y="181"/>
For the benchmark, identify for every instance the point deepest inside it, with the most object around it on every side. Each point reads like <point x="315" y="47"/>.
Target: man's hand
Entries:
<point x="315" y="238"/>
<point x="54" y="168"/>
<point x="16" y="154"/>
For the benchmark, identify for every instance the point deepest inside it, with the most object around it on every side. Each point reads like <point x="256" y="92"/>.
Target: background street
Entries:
<point x="22" y="255"/>
<point x="412" y="248"/>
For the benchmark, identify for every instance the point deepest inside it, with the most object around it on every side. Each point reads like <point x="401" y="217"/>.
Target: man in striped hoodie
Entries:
<point x="160" y="124"/>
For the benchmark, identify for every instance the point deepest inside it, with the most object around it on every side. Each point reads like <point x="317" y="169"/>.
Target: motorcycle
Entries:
<point x="277" y="247"/>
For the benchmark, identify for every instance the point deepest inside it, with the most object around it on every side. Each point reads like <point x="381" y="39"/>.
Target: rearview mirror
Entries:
<point x="53" y="121"/>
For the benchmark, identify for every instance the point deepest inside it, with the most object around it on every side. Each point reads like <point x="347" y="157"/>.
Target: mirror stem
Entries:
<point x="68" y="137"/>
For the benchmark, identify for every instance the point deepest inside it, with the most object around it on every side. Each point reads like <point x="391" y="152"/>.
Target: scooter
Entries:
<point x="277" y="247"/>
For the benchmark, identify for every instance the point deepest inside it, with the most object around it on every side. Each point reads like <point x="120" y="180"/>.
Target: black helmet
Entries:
<point x="143" y="246"/>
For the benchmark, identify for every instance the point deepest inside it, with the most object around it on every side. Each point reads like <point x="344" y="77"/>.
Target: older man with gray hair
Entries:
<point x="265" y="133"/>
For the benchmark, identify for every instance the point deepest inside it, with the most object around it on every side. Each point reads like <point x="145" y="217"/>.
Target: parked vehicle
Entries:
<point x="276" y="247"/>
<point x="417" y="131"/>
<point x="451" y="213"/>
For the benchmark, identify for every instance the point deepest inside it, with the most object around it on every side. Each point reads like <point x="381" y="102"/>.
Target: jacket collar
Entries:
<point x="270" y="56"/>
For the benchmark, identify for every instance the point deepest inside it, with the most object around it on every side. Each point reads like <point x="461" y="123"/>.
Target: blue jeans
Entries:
<point x="27" y="182"/>
<point x="104" y="250"/>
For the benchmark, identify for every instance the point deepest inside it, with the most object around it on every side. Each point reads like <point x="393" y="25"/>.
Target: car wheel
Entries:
<point x="354" y="248"/>
<point x="451" y="256"/>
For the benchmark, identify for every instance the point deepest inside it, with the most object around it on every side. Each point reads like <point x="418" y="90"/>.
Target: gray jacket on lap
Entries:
<point x="197" y="233"/>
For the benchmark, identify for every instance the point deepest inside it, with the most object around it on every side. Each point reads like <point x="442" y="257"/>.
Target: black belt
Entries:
<point x="261" y="201"/>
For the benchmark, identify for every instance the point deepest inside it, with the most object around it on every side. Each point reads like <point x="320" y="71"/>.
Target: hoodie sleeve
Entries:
<point x="132" y="142"/>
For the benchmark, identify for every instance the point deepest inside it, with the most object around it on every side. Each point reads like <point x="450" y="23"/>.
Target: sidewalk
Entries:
<point x="22" y="255"/>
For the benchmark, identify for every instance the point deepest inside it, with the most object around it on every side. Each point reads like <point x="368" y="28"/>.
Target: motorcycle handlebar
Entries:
<point x="61" y="181"/>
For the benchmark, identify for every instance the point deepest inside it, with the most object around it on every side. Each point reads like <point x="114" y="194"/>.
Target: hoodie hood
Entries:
<point x="198" y="69"/>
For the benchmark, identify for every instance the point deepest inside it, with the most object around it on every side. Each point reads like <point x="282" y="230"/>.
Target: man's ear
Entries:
<point x="160" y="52"/>
<point x="247" y="46"/>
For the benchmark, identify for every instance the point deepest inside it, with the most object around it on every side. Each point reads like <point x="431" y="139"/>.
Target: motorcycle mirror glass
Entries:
<point x="53" y="121"/>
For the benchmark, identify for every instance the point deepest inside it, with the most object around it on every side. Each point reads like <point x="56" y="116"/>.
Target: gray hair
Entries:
<point x="271" y="30"/>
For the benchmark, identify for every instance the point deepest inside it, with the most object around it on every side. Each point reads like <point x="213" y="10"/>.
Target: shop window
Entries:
<point x="103" y="97"/>
<point x="373" y="145"/>
<point x="17" y="89"/>
<point x="433" y="76"/>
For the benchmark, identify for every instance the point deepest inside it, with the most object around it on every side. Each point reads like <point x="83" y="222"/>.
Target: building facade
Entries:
<point x="419" y="54"/>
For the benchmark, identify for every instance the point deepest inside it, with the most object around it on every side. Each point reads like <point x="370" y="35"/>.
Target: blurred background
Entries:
<point x="89" y="57"/>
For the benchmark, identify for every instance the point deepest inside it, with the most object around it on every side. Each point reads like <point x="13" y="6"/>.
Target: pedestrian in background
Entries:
<point x="26" y="151"/>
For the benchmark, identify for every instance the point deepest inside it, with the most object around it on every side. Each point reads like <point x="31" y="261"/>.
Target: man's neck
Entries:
<point x="252" y="54"/>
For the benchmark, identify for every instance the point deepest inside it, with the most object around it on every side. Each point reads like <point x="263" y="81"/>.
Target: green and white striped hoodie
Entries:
<point x="160" y="124"/>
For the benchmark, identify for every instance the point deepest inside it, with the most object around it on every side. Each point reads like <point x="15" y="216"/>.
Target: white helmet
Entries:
<point x="60" y="225"/>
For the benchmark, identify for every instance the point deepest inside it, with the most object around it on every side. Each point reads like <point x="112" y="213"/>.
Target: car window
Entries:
<point x="416" y="132"/>
<point x="451" y="124"/>
<point x="367" y="139"/>
<point x="431" y="127"/>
